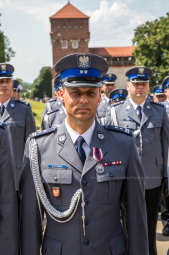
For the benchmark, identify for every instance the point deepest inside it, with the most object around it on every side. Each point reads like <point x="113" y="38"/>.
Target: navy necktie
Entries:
<point x="139" y="112"/>
<point x="79" y="143"/>
<point x="2" y="109"/>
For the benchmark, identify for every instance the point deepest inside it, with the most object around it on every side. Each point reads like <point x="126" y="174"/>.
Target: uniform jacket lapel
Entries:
<point x="9" y="110"/>
<point x="98" y="142"/>
<point x="67" y="149"/>
<point x="131" y="112"/>
<point x="146" y="113"/>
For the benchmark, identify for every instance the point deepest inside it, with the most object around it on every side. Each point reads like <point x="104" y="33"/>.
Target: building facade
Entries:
<point x="70" y="34"/>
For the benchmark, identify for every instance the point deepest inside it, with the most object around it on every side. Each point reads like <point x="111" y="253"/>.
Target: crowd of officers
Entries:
<point x="93" y="180"/>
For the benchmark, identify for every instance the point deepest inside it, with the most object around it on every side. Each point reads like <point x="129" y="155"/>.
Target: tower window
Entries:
<point x="64" y="44"/>
<point x="75" y="44"/>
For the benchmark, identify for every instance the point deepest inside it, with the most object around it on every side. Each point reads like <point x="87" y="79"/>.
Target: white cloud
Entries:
<point x="40" y="10"/>
<point x="113" y="23"/>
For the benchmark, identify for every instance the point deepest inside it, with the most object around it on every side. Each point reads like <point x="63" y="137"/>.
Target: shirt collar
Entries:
<point x="106" y="98"/>
<point x="5" y="103"/>
<point x="135" y="105"/>
<point x="87" y="135"/>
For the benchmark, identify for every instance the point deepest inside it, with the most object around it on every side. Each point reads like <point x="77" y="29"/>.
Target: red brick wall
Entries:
<point x="69" y="29"/>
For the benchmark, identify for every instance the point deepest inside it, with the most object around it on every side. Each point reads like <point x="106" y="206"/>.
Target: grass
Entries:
<point x="37" y="109"/>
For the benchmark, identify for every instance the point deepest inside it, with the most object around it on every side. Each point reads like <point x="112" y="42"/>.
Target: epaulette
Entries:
<point x="118" y="103"/>
<point x="119" y="129"/>
<point x="42" y="132"/>
<point x="22" y="102"/>
<point x="52" y="100"/>
<point x="53" y="111"/>
<point x="2" y="125"/>
<point x="152" y="102"/>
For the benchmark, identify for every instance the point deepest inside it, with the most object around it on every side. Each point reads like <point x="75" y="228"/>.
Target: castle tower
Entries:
<point x="69" y="32"/>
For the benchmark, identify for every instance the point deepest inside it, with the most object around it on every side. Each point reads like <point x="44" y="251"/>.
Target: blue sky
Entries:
<point x="112" y="23"/>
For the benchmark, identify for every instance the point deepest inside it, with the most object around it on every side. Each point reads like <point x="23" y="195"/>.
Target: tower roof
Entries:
<point x="69" y="11"/>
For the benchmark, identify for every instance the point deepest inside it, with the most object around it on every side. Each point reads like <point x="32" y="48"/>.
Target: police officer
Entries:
<point x="105" y="104"/>
<point x="149" y="122"/>
<point x="16" y="90"/>
<point x="165" y="86"/>
<point x="158" y="94"/>
<point x="165" y="214"/>
<point x="78" y="172"/>
<point x="17" y="115"/>
<point x="8" y="204"/>
<point x="116" y="95"/>
<point x="54" y="113"/>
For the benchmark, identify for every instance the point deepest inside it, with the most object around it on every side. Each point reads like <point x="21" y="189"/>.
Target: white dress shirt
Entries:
<point x="5" y="103"/>
<point x="87" y="135"/>
<point x="135" y="105"/>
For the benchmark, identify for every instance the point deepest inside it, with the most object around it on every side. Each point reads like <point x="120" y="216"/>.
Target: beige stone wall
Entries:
<point x="120" y="72"/>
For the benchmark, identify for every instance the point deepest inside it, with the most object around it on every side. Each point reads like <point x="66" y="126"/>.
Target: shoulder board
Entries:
<point x="159" y="104"/>
<point x="119" y="129"/>
<point x="2" y="125"/>
<point x="119" y="103"/>
<point x="22" y="102"/>
<point x="42" y="133"/>
<point x="53" y="111"/>
<point x="52" y="100"/>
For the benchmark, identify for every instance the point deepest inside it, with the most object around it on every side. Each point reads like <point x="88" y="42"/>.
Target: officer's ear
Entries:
<point x="62" y="89"/>
<point x="100" y="95"/>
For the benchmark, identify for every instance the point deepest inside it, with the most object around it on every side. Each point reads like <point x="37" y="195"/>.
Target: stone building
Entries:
<point x="70" y="34"/>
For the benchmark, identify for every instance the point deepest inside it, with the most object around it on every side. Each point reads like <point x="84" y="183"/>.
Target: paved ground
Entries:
<point x="162" y="241"/>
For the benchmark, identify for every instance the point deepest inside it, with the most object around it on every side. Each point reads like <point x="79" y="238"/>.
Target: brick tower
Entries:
<point x="69" y="32"/>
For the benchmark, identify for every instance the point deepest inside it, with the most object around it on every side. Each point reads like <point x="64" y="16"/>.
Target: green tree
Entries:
<point x="152" y="47"/>
<point x="42" y="85"/>
<point x="6" y="52"/>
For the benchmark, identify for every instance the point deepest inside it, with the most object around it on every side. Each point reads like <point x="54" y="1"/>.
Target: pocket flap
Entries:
<point x="154" y="124"/>
<point x="57" y="176"/>
<point x="16" y="123"/>
<point x="111" y="173"/>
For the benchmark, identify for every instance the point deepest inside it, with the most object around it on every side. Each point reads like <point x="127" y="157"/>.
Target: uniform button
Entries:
<point x="55" y="178"/>
<point x="86" y="242"/>
<point x="84" y="182"/>
<point x="111" y="175"/>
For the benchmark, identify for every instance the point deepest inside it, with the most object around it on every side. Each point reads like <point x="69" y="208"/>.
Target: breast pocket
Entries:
<point x="153" y="129"/>
<point x="17" y="129"/>
<point x="109" y="183"/>
<point x="128" y="124"/>
<point x="57" y="184"/>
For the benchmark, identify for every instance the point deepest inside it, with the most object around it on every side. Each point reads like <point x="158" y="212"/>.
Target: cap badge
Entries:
<point x="3" y="67"/>
<point x="83" y="61"/>
<point x="141" y="70"/>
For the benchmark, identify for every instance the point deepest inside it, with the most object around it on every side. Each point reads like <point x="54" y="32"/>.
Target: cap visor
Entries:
<point x="82" y="84"/>
<point x="5" y="77"/>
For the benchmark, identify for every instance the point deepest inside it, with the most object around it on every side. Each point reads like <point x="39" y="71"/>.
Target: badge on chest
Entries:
<point x="56" y="192"/>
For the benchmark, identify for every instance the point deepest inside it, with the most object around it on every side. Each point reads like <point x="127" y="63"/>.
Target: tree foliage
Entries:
<point x="152" y="47"/>
<point x="6" y="52"/>
<point x="42" y="85"/>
